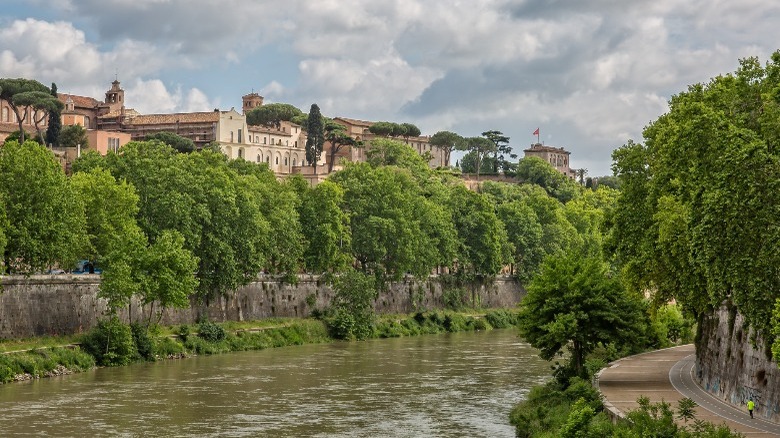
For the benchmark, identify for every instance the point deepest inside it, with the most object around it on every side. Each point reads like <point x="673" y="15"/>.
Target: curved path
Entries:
<point x="668" y="375"/>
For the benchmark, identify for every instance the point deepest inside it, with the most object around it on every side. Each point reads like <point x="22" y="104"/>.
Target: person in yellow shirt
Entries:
<point x="751" y="406"/>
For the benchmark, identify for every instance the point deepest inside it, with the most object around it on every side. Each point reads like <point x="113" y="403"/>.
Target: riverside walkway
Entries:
<point x="668" y="375"/>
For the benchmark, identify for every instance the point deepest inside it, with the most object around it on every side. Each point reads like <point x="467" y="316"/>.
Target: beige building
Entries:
<point x="557" y="157"/>
<point x="359" y="130"/>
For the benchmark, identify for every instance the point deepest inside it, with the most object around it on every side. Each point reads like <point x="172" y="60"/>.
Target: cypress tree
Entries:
<point x="55" y="124"/>
<point x="315" y="136"/>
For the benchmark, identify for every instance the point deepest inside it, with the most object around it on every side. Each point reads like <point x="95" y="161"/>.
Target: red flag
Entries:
<point x="536" y="132"/>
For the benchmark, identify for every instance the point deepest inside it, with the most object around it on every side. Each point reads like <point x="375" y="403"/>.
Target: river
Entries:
<point x="449" y="385"/>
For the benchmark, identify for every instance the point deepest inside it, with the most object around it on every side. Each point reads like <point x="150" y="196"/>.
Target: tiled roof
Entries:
<point x="79" y="101"/>
<point x="355" y="122"/>
<point x="128" y="112"/>
<point x="168" y="119"/>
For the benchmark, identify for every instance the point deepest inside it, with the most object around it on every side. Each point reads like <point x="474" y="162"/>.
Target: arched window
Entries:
<point x="285" y="161"/>
<point x="259" y="158"/>
<point x="277" y="161"/>
<point x="241" y="153"/>
<point x="267" y="160"/>
<point x="294" y="160"/>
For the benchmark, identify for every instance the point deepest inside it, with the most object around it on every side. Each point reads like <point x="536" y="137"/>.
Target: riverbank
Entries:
<point x="45" y="356"/>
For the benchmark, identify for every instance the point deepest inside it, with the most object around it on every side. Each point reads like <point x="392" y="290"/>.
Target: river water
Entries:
<point x="449" y="385"/>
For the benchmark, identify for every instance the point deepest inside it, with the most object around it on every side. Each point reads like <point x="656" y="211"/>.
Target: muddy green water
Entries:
<point x="450" y="385"/>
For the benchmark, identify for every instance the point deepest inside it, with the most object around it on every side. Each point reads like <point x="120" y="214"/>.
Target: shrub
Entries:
<point x="501" y="318"/>
<point x="211" y="332"/>
<point x="455" y="298"/>
<point x="111" y="343"/>
<point x="352" y="314"/>
<point x="143" y="342"/>
<point x="167" y="347"/>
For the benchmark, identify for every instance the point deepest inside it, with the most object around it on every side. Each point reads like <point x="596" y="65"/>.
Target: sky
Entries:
<point x="590" y="74"/>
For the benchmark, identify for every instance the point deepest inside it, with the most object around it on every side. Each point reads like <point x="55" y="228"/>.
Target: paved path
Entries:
<point x="668" y="375"/>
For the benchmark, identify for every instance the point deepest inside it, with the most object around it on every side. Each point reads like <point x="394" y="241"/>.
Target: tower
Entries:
<point x="115" y="97"/>
<point x="250" y="102"/>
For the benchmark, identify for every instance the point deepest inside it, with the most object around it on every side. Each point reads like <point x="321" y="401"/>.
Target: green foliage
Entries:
<point x="695" y="220"/>
<point x="535" y="170"/>
<point x="111" y="343"/>
<point x="446" y="141"/>
<point x="54" y="121"/>
<point x="501" y="151"/>
<point x="337" y="137"/>
<point x="352" y="312"/>
<point x="455" y="298"/>
<point x="143" y="341"/>
<point x="484" y="247"/>
<point x="181" y="144"/>
<point x="575" y="304"/>
<point x="315" y="135"/>
<point x="43" y="362"/>
<point x="211" y="332"/>
<point x="501" y="318"/>
<point x="326" y="228"/>
<point x="272" y="114"/>
<point x="72" y="136"/>
<point x="45" y="221"/>
<point x="22" y="95"/>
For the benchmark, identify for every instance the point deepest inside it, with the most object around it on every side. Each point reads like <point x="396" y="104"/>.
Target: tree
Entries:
<point x="55" y="122"/>
<point x="337" y="137"/>
<point x="315" y="136"/>
<point x="272" y="114"/>
<point x="575" y="304"/>
<point x="325" y="225"/>
<point x="181" y="144"/>
<point x="19" y="93"/>
<point x="381" y="129"/>
<point x="72" y="136"/>
<point x="40" y="104"/>
<point x="446" y="141"/>
<point x="480" y="146"/>
<point x="352" y="313"/>
<point x="537" y="171"/>
<point x="580" y="173"/>
<point x="387" y="152"/>
<point x="483" y="245"/>
<point x="500" y="148"/>
<point x="410" y="130"/>
<point x="45" y="220"/>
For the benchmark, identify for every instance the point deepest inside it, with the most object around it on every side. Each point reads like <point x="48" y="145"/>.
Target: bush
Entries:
<point x="211" y="332"/>
<point x="456" y="298"/>
<point x="143" y="342"/>
<point x="501" y="318"/>
<point x="352" y="314"/>
<point x="167" y="347"/>
<point x="111" y="343"/>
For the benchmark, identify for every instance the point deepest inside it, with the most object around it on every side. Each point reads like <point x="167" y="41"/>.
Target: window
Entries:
<point x="240" y="131"/>
<point x="294" y="160"/>
<point x="259" y="158"/>
<point x="241" y="153"/>
<point x="296" y="143"/>
<point x="277" y="161"/>
<point x="285" y="161"/>
<point x="5" y="114"/>
<point x="267" y="160"/>
<point x="264" y="140"/>
<point x="231" y="136"/>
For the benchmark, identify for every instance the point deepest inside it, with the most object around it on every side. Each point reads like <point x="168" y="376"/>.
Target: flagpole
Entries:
<point x="537" y="135"/>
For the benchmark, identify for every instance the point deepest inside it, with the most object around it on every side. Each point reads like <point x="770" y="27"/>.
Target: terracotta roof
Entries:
<point x="168" y="119"/>
<point x="79" y="101"/>
<point x="355" y="121"/>
<point x="128" y="112"/>
<point x="267" y="130"/>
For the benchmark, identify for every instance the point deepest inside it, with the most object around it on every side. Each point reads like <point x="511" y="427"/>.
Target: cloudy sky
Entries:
<point x="589" y="73"/>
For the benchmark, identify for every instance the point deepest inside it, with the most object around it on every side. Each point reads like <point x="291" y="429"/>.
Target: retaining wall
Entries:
<point x="66" y="304"/>
<point x="735" y="364"/>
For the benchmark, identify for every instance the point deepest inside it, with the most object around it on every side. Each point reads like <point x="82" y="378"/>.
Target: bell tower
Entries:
<point x="251" y="101"/>
<point x="115" y="97"/>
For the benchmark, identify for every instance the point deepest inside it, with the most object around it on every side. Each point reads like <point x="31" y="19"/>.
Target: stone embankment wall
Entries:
<point x="735" y="365"/>
<point x="67" y="304"/>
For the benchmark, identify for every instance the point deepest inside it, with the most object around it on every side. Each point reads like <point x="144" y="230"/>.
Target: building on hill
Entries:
<point x="557" y="157"/>
<point x="359" y="130"/>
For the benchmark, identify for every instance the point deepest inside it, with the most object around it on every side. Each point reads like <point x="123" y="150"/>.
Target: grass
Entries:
<point x="47" y="355"/>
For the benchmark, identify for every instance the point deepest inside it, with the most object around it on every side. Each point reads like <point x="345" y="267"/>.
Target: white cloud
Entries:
<point x="153" y="97"/>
